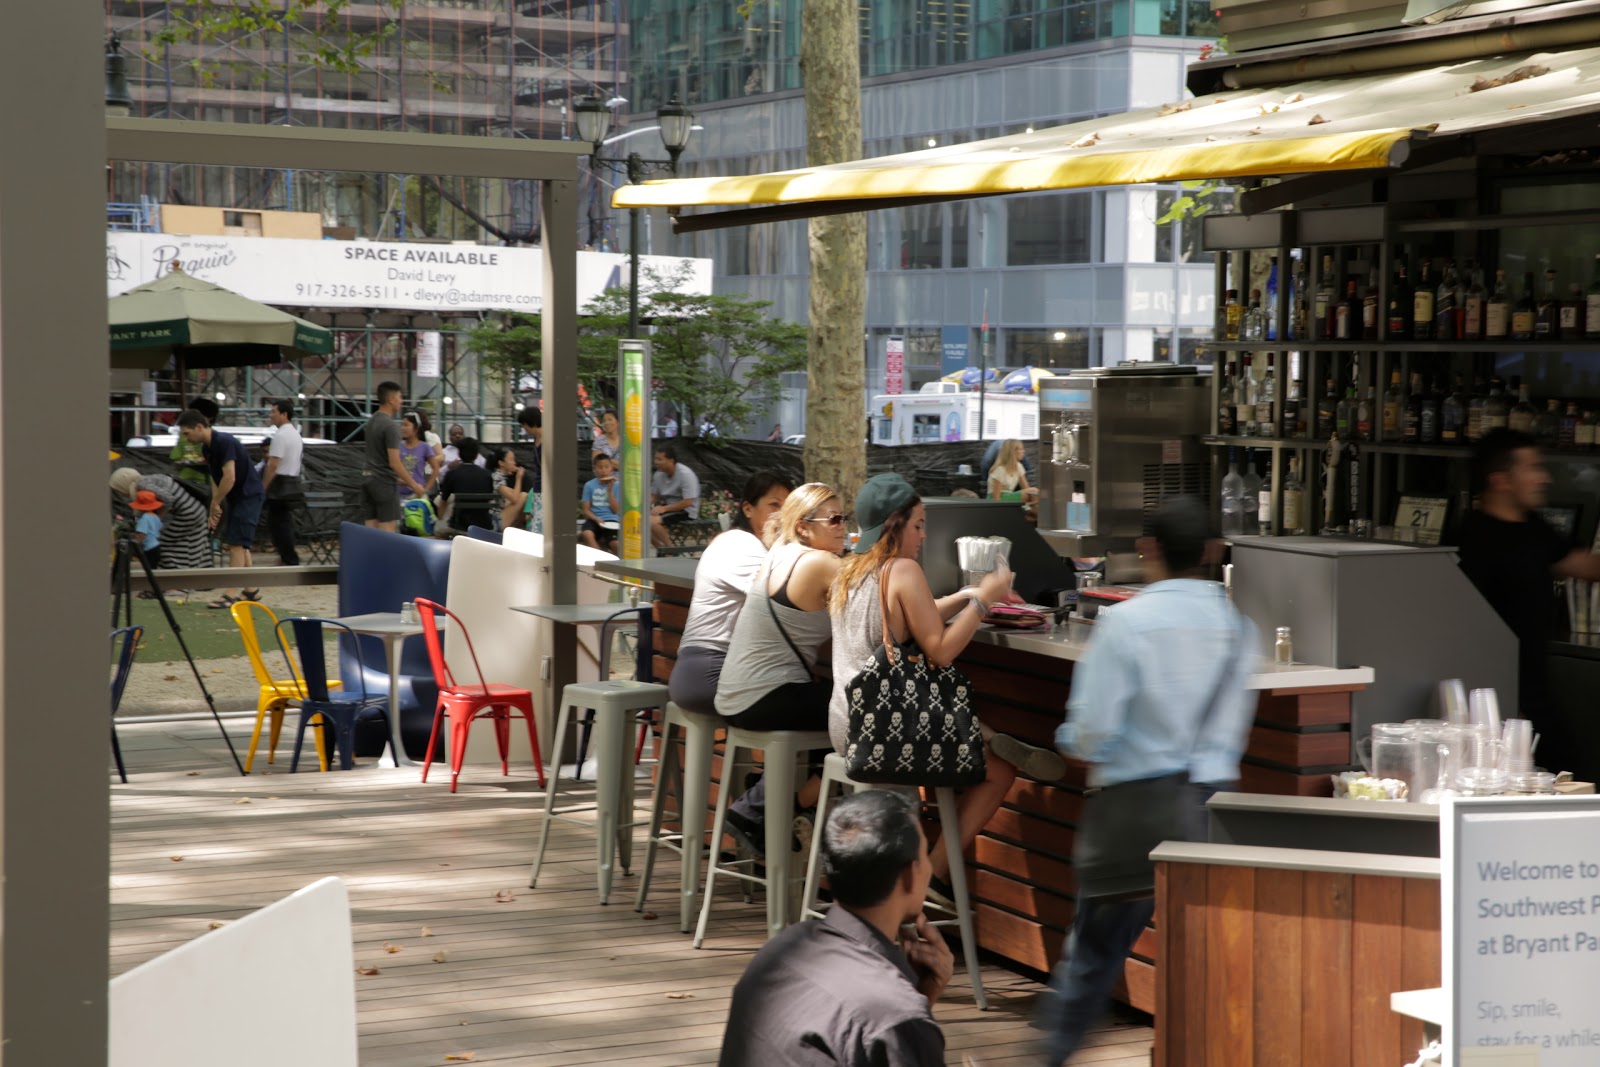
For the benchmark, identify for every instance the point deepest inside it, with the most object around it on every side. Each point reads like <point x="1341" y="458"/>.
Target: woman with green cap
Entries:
<point x="893" y="528"/>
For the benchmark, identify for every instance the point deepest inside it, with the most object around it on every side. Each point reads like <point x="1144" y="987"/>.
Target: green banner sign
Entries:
<point x="633" y="377"/>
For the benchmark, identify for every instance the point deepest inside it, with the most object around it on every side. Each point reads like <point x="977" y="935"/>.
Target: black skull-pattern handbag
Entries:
<point x="911" y="723"/>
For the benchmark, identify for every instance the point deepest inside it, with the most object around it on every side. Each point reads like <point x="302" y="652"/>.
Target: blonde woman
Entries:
<point x="1007" y="475"/>
<point x="893" y="528"/>
<point x="766" y="681"/>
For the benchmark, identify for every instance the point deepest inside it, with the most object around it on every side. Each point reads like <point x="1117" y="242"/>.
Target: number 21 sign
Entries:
<point x="1423" y="516"/>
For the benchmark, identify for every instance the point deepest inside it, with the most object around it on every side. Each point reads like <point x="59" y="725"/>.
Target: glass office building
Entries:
<point x="1063" y="280"/>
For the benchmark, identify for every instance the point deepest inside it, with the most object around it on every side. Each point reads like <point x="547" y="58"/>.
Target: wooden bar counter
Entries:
<point x="1021" y="865"/>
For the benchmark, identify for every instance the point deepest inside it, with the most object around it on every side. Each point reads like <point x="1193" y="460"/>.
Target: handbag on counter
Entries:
<point x="909" y="722"/>
<point x="1121" y="824"/>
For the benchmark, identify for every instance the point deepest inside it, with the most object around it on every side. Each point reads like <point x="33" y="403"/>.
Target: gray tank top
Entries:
<point x="759" y="659"/>
<point x="857" y="633"/>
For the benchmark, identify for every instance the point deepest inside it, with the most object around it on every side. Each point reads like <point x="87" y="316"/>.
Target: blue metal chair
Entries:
<point x="340" y="710"/>
<point x="122" y="654"/>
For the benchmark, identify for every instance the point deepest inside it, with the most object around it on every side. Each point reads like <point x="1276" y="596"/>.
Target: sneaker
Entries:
<point x="940" y="895"/>
<point x="1042" y="763"/>
<point x="805" y="825"/>
<point x="750" y="835"/>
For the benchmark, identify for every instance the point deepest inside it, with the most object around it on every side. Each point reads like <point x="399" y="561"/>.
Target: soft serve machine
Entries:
<point x="1113" y="443"/>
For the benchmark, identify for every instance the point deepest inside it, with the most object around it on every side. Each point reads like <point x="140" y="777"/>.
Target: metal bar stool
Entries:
<point x="783" y="749"/>
<point x="833" y="774"/>
<point x="691" y="775"/>
<point x="614" y="705"/>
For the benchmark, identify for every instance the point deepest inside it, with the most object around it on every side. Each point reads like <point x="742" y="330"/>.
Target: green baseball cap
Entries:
<point x="880" y="497"/>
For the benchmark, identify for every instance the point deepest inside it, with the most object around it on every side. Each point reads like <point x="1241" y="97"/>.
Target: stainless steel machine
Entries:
<point x="1113" y="443"/>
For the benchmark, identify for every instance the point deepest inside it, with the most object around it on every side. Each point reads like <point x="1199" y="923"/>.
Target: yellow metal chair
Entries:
<point x="277" y="694"/>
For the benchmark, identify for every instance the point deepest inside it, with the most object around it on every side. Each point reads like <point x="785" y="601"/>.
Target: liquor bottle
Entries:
<point x="1232" y="490"/>
<point x="1344" y="419"/>
<point x="1591" y="310"/>
<point x="1398" y="326"/>
<point x="1497" y="312"/>
<point x="1366" y="411"/>
<point x="1445" y="308"/>
<point x="1547" y="427"/>
<point x="1473" y="306"/>
<point x="1244" y="400"/>
<point x="1476" y="405"/>
<point x="1394" y="403"/>
<point x="1523" y="413"/>
<point x="1547" y="314"/>
<point x="1347" y="316"/>
<point x="1294" y="509"/>
<point x="1264" y="502"/>
<point x="1266" y="400"/>
<point x="1292" y="421"/>
<point x="1327" y="411"/>
<point x="1328" y="295"/>
<point x="1271" y="308"/>
<point x="1453" y="415"/>
<point x="1369" y="308"/>
<point x="1525" y="313"/>
<point x="1422" y="304"/>
<point x="1225" y="391"/>
<point x="1254" y="326"/>
<point x="1496" y="407"/>
<point x="1232" y="316"/>
<point x="1567" y="436"/>
<point x="1299" y="301"/>
<point x="1428" y="416"/>
<point x="1572" y="314"/>
<point x="1250" y="496"/>
<point x="1588" y="432"/>
<point x="1411" y="416"/>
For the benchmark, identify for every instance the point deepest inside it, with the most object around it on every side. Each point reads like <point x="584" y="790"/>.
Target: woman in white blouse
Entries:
<point x="727" y="567"/>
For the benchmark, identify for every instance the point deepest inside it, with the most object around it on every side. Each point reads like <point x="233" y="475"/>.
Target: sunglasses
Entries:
<point x="829" y="520"/>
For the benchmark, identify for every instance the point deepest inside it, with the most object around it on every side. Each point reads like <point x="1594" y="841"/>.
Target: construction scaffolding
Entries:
<point x="497" y="68"/>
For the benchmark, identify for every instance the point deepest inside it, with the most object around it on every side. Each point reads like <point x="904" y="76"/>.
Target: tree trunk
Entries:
<point x="830" y="65"/>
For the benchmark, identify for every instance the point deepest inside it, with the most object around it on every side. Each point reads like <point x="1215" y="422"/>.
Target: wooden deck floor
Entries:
<point x="551" y="978"/>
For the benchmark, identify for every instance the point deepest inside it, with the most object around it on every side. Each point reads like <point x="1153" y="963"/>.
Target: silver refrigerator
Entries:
<point x="1114" y="442"/>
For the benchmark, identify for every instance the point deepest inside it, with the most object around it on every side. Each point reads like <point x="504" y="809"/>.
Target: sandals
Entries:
<point x="226" y="600"/>
<point x="249" y="594"/>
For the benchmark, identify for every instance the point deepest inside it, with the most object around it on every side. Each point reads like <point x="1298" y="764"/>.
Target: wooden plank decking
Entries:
<point x="551" y="978"/>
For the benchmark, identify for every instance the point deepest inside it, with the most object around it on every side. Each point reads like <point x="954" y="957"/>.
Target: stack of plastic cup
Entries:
<point x="1453" y="701"/>
<point x="1518" y="738"/>
<point x="1483" y="709"/>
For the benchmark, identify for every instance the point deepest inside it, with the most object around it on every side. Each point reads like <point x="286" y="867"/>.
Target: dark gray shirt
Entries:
<point x="830" y="992"/>
<point x="382" y="434"/>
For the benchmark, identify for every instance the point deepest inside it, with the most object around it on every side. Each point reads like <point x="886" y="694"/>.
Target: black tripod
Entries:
<point x="122" y="600"/>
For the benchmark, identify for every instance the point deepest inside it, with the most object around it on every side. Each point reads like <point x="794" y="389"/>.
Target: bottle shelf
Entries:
<point x="1448" y="347"/>
<point x="1382" y="448"/>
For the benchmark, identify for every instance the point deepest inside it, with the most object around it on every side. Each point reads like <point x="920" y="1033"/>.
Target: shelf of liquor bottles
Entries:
<point x="1364" y="350"/>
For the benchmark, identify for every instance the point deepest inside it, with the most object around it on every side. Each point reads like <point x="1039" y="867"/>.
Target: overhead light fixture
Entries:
<point x="677" y="126"/>
<point x="302" y="396"/>
<point x="517" y="406"/>
<point x="1060" y="335"/>
<point x="448" y="401"/>
<point x="1028" y="130"/>
<point x="933" y="142"/>
<point x="221" y="396"/>
<point x="593" y="118"/>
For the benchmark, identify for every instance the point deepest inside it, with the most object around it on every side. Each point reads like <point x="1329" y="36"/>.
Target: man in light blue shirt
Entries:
<point x="1159" y="692"/>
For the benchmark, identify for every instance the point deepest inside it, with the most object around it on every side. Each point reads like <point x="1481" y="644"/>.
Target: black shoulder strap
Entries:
<point x="767" y="596"/>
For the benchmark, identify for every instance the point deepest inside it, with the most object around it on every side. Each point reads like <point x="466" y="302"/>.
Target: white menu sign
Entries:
<point x="1521" y="931"/>
<point x="378" y="274"/>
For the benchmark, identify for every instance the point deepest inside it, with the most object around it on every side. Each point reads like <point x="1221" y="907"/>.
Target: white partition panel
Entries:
<point x="486" y="582"/>
<point x="276" y="987"/>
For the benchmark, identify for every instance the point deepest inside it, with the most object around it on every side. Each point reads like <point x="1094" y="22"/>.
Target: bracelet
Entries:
<point x="983" y="609"/>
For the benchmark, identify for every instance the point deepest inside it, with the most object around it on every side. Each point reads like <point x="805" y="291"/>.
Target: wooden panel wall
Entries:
<point x="1271" y="967"/>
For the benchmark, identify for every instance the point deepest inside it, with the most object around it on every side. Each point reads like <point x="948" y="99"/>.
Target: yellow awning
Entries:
<point x="1354" y="123"/>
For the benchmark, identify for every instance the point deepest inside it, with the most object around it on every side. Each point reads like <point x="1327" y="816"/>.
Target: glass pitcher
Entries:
<point x="1391" y="753"/>
<point x="1441" y="747"/>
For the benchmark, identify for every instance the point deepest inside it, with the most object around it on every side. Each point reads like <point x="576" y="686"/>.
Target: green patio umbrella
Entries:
<point x="205" y="326"/>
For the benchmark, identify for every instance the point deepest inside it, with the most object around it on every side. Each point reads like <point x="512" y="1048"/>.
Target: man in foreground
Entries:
<point x="382" y="471"/>
<point x="856" y="988"/>
<point x="1160" y="712"/>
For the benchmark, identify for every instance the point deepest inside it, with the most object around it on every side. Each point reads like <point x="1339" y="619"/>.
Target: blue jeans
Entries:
<point x="1103" y="933"/>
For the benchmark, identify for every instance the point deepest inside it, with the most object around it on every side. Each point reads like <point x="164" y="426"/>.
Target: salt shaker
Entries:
<point x="408" y="613"/>
<point x="1283" y="647"/>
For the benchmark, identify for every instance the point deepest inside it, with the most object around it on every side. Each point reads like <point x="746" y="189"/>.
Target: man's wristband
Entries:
<point x="983" y="609"/>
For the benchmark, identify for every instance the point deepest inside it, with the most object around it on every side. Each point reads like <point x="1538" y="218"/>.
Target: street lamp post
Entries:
<point x="676" y="124"/>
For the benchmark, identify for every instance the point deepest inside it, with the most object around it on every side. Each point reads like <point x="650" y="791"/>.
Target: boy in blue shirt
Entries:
<point x="147" y="530"/>
<point x="599" y="505"/>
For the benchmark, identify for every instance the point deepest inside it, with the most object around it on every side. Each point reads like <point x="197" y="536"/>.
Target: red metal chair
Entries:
<point x="467" y="703"/>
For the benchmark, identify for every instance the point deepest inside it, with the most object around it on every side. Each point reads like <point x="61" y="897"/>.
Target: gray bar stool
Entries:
<point x="614" y="704"/>
<point x="691" y="776"/>
<point x="833" y="774"/>
<point x="783" y="750"/>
